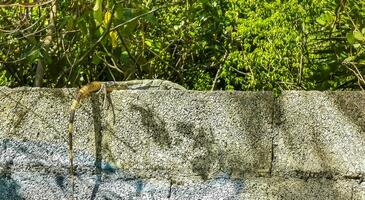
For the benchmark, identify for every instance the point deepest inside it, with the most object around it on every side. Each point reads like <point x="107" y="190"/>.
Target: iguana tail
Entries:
<point x="81" y="94"/>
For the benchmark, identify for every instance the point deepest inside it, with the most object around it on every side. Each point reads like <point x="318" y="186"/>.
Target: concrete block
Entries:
<point x="179" y="136"/>
<point x="359" y="191"/>
<point x="277" y="188"/>
<point x="320" y="134"/>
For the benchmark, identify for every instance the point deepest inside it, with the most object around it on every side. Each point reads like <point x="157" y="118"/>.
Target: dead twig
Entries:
<point x="353" y="68"/>
<point x="219" y="70"/>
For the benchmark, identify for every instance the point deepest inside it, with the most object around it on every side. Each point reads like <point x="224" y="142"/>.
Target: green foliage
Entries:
<point x="248" y="45"/>
<point x="3" y="79"/>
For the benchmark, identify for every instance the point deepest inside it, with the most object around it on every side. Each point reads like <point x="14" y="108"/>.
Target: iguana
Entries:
<point x="107" y="87"/>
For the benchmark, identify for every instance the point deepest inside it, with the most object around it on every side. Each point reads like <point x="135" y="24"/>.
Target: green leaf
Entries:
<point x="98" y="12"/>
<point x="349" y="59"/>
<point x="148" y="42"/>
<point x="357" y="45"/>
<point x="123" y="14"/>
<point x="124" y="56"/>
<point x="118" y="14"/>
<point x="350" y="38"/>
<point x="81" y="24"/>
<point x="96" y="60"/>
<point x="110" y="4"/>
<point x="325" y="19"/>
<point x="34" y="54"/>
<point x="358" y="36"/>
<point x="362" y="62"/>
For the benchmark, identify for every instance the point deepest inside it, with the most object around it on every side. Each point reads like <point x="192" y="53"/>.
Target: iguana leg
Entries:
<point x="104" y="91"/>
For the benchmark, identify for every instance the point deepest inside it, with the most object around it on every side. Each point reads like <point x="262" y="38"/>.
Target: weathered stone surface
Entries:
<point x="39" y="114"/>
<point x="174" y="136"/>
<point x="184" y="145"/>
<point x="292" y="188"/>
<point x="320" y="134"/>
<point x="37" y="170"/>
<point x="184" y="134"/>
<point x="359" y="191"/>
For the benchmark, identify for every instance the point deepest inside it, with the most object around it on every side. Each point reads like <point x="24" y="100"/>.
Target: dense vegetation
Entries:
<point x="226" y="44"/>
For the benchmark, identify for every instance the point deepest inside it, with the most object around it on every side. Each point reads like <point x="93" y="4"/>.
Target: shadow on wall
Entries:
<point x="202" y="139"/>
<point x="254" y="118"/>
<point x="154" y="125"/>
<point x="318" y="137"/>
<point x="8" y="187"/>
<point x="37" y="170"/>
<point x="222" y="147"/>
<point x="351" y="105"/>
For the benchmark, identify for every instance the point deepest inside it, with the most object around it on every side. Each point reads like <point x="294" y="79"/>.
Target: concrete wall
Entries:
<point x="184" y="145"/>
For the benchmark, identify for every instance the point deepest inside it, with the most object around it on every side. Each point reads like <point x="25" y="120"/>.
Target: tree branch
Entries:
<point x="219" y="70"/>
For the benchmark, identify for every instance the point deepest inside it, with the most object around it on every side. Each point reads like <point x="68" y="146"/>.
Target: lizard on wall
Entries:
<point x="107" y="87"/>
